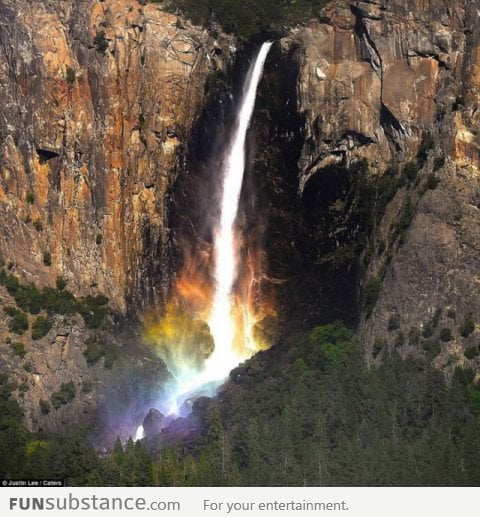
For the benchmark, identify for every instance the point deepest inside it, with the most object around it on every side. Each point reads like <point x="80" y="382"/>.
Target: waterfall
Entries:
<point x="221" y="322"/>
<point x="224" y="328"/>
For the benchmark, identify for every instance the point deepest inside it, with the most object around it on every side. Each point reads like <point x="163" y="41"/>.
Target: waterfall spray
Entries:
<point x="233" y="342"/>
<point x="221" y="323"/>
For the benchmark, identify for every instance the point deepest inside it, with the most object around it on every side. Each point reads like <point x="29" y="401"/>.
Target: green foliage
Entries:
<point x="97" y="349"/>
<point x="436" y="318"/>
<point x="44" y="407"/>
<point x="459" y="103"/>
<point x="452" y="314"/>
<point x="472" y="352"/>
<point x="439" y="162"/>
<point x="101" y="42"/>
<point x="428" y="330"/>
<point x="307" y="413"/>
<point x="426" y="145"/>
<point x="432" y="181"/>
<point x="215" y="81"/>
<point x="432" y="348"/>
<point x="18" y="349"/>
<point x="467" y="327"/>
<point x="372" y="291"/>
<point x="47" y="258"/>
<point x="30" y="198"/>
<point x="334" y="342"/>
<point x="87" y="387"/>
<point x="248" y="17"/>
<point x="70" y="75"/>
<point x="64" y="395"/>
<point x="399" y="229"/>
<point x="98" y="239"/>
<point x="18" y="322"/>
<point x="414" y="337"/>
<point x="399" y="339"/>
<point x="379" y="344"/>
<point x="393" y="322"/>
<point x="61" y="283"/>
<point x="410" y="170"/>
<point x="474" y="397"/>
<point x="286" y="420"/>
<point x="446" y="334"/>
<point x="41" y="327"/>
<point x="93" y="309"/>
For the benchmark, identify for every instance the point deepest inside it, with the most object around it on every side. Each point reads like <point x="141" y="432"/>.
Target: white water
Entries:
<point x="221" y="322"/>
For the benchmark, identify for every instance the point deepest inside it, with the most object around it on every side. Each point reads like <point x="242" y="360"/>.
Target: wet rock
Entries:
<point x="153" y="423"/>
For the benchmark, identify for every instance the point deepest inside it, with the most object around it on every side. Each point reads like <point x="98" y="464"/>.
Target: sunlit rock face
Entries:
<point x="375" y="80"/>
<point x="98" y="99"/>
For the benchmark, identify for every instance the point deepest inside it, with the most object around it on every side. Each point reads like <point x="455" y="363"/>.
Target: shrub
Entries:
<point x="64" y="395"/>
<point x="426" y="145"/>
<point x="94" y="351"/>
<point x="70" y="75"/>
<point x="432" y="348"/>
<point x="472" y="352"/>
<point x="404" y="221"/>
<point x="372" y="292"/>
<point x="467" y="327"/>
<point x="452" y="314"/>
<point x="99" y="239"/>
<point x="379" y="344"/>
<point x="410" y="170"/>
<point x="93" y="309"/>
<point x="18" y="323"/>
<point x="97" y="349"/>
<point x="44" y="407"/>
<point x="61" y="283"/>
<point x="414" y="337"/>
<point x="436" y="318"/>
<point x="28" y="367"/>
<point x="10" y="311"/>
<point x="100" y="42"/>
<point x="47" y="258"/>
<point x="41" y="327"/>
<point x="111" y="355"/>
<point x="215" y="81"/>
<point x="427" y="330"/>
<point x="30" y="198"/>
<point x="439" y="162"/>
<point x="87" y="387"/>
<point x="18" y="349"/>
<point x="474" y="397"/>
<point x="399" y="339"/>
<point x="23" y="388"/>
<point x="432" y="181"/>
<point x="446" y="334"/>
<point x="37" y="224"/>
<point x="55" y="301"/>
<point x="458" y="103"/>
<point x="247" y="17"/>
<point x="393" y="322"/>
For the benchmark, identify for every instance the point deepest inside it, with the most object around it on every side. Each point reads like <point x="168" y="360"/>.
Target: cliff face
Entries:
<point x="97" y="101"/>
<point x="366" y="174"/>
<point x="397" y="85"/>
